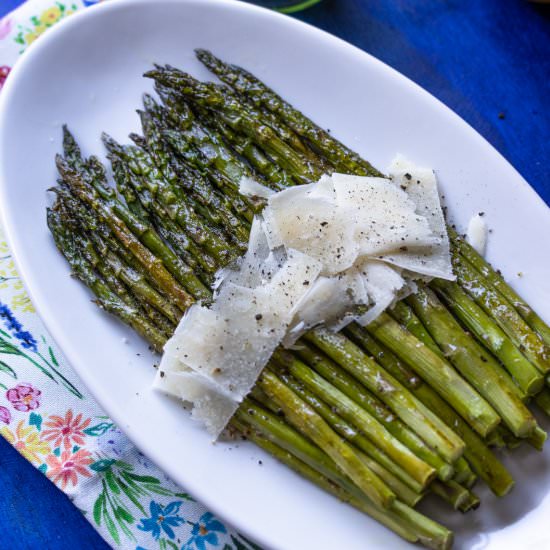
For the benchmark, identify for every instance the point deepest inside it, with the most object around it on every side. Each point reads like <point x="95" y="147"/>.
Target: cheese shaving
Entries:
<point x="477" y="233"/>
<point x="252" y="188"/>
<point x="339" y="250"/>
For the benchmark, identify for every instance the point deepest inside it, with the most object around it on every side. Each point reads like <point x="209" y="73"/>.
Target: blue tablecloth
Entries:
<point x="489" y="61"/>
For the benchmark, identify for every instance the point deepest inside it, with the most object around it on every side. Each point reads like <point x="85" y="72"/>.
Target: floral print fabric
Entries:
<point x="49" y="417"/>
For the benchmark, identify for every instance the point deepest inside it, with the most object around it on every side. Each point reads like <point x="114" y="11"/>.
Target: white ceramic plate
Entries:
<point x="87" y="72"/>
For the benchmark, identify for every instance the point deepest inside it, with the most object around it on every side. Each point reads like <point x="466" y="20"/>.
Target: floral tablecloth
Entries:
<point x="49" y="417"/>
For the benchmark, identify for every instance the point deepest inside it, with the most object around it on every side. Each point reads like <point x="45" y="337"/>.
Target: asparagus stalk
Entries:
<point x="106" y="298"/>
<point x="481" y="458"/>
<point x="175" y="202"/>
<point x="149" y="261"/>
<point x="339" y="155"/>
<point x="386" y="518"/>
<point x="205" y="139"/>
<point x="313" y="426"/>
<point x="475" y="365"/>
<point x="437" y="372"/>
<point x="277" y="430"/>
<point x="140" y="202"/>
<point x="496" y="280"/>
<point x="496" y="306"/>
<point x="403" y="314"/>
<point x="451" y="492"/>
<point x="141" y="227"/>
<point x="349" y="385"/>
<point x="263" y="166"/>
<point x="409" y="491"/>
<point x="343" y="406"/>
<point x="215" y="207"/>
<point x="471" y="503"/>
<point x="543" y="401"/>
<point x="239" y="117"/>
<point x="426" y="424"/>
<point x="464" y="474"/>
<point x="478" y="454"/>
<point x="528" y="378"/>
<point x="537" y="438"/>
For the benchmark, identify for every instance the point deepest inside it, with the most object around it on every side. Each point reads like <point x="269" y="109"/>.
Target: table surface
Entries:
<point x="489" y="61"/>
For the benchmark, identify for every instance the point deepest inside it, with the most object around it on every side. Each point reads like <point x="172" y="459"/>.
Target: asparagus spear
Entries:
<point x="451" y="492"/>
<point x="543" y="401"/>
<point x="405" y="487"/>
<point x="139" y="201"/>
<point x="339" y="155"/>
<point x="403" y="314"/>
<point x="408" y="524"/>
<point x="173" y="199"/>
<point x="263" y="166"/>
<point x="358" y="417"/>
<point x="149" y="261"/>
<point x="495" y="279"/>
<point x="127" y="283"/>
<point x="528" y="378"/>
<point x="437" y="372"/>
<point x="495" y="305"/>
<point x="239" y="117"/>
<point x="215" y="207"/>
<point x="313" y="426"/>
<point x="481" y="458"/>
<point x="426" y="424"/>
<point x="273" y="425"/>
<point x="349" y="385"/>
<point x="106" y="298"/>
<point x="202" y="137"/>
<point x="471" y="360"/>
<point x="140" y="227"/>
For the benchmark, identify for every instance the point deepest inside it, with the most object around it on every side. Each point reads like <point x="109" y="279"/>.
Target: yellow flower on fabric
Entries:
<point x="39" y="29"/>
<point x="27" y="441"/>
<point x="31" y="37"/>
<point x="21" y="302"/>
<point x="50" y="16"/>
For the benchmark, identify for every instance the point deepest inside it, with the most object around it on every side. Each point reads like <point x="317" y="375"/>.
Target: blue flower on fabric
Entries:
<point x="205" y="531"/>
<point x="16" y="328"/>
<point x="163" y="518"/>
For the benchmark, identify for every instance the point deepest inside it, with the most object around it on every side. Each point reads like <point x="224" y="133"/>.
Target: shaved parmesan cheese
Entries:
<point x="331" y="301"/>
<point x="305" y="218"/>
<point x="209" y="405"/>
<point x="382" y="284"/>
<point x="385" y="216"/>
<point x="252" y="188"/>
<point x="328" y="253"/>
<point x="477" y="233"/>
<point x="421" y="186"/>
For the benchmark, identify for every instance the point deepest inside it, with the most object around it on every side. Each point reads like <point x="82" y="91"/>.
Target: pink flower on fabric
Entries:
<point x="24" y="397"/>
<point x="66" y="469"/>
<point x="5" y="27"/>
<point x="68" y="431"/>
<point x="4" y="72"/>
<point x="5" y="415"/>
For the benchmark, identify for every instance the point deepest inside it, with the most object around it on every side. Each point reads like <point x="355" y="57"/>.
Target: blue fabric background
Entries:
<point x="489" y="61"/>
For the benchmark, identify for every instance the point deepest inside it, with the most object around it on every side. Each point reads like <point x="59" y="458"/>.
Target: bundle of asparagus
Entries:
<point x="379" y="416"/>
